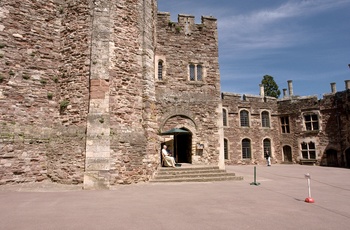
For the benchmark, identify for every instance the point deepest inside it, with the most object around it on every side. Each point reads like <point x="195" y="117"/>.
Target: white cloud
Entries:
<point x="272" y="28"/>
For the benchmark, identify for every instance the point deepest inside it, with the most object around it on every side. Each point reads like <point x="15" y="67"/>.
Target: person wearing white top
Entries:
<point x="168" y="159"/>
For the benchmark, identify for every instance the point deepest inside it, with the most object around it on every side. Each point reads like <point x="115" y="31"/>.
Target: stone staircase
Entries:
<point x="193" y="174"/>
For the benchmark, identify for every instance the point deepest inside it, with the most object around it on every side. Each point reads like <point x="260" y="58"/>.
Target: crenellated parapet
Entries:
<point x="186" y="23"/>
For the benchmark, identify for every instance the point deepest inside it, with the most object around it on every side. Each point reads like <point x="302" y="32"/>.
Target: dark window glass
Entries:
<point x="244" y="116"/>
<point x="199" y="73"/>
<point x="192" y="73"/>
<point x="311" y="122"/>
<point x="160" y="70"/>
<point x="285" y="125"/>
<point x="246" y="149"/>
<point x="265" y="119"/>
<point x="224" y="116"/>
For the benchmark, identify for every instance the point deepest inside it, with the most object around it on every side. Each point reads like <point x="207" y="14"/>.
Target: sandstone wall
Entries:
<point x="234" y="133"/>
<point x="195" y="103"/>
<point x="44" y="90"/>
<point x="29" y="37"/>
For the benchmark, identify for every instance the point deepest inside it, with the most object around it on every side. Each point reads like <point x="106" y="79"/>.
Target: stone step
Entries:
<point x="188" y="168"/>
<point x="183" y="172"/>
<point x="197" y="179"/>
<point x="188" y="175"/>
<point x="193" y="174"/>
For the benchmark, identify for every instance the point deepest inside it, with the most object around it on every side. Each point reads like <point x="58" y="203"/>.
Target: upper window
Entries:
<point x="311" y="122"/>
<point x="285" y="124"/>
<point x="160" y="70"/>
<point x="224" y="117"/>
<point x="226" y="149"/>
<point x="196" y="72"/>
<point x="265" y="119"/>
<point x="308" y="150"/>
<point x="246" y="149"/>
<point x="199" y="73"/>
<point x="244" y="116"/>
<point x="192" y="72"/>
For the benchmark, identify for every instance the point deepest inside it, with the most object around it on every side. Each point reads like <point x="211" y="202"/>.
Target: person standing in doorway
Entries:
<point x="268" y="157"/>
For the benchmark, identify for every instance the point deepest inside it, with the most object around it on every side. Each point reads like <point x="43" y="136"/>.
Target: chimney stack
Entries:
<point x="284" y="93"/>
<point x="333" y="87"/>
<point x="262" y="90"/>
<point x="347" y="84"/>
<point x="290" y="87"/>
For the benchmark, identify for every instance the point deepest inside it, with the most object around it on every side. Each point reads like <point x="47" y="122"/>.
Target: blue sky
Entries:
<point x="306" y="41"/>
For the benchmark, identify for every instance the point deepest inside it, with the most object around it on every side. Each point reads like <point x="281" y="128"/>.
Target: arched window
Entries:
<point x="226" y="149"/>
<point x="246" y="149"/>
<point x="267" y="146"/>
<point x="265" y="119"/>
<point x="160" y="70"/>
<point x="244" y="116"/>
<point x="224" y="117"/>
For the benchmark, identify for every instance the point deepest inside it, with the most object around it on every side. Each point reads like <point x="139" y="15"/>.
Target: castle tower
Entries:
<point x="119" y="124"/>
<point x="188" y="87"/>
<point x="77" y="91"/>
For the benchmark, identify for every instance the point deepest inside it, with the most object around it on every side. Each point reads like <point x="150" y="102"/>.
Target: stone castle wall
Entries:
<point x="235" y="133"/>
<point x="331" y="139"/>
<point x="66" y="74"/>
<point x="194" y="105"/>
<point x="82" y="101"/>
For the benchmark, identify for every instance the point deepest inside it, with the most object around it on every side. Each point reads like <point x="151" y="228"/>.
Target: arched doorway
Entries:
<point x="287" y="153"/>
<point x="332" y="157"/>
<point x="184" y="147"/>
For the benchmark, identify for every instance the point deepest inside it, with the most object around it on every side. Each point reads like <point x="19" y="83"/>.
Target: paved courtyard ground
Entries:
<point x="277" y="203"/>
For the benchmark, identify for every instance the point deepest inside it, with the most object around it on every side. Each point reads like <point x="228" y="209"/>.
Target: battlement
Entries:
<point x="186" y="22"/>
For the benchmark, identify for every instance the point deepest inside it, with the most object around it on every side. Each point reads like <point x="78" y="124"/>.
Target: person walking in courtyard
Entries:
<point x="268" y="157"/>
<point x="167" y="158"/>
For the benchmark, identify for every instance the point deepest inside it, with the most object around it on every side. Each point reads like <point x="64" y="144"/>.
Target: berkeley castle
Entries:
<point x="88" y="87"/>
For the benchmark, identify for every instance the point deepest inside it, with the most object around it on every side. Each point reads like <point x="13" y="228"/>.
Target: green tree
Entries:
<point x="270" y="86"/>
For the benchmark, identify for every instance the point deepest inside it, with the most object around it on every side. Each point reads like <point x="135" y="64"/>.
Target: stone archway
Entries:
<point x="183" y="142"/>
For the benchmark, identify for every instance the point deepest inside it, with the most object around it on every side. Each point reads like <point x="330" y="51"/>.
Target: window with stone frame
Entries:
<point x="160" y="70"/>
<point x="265" y="119"/>
<point x="244" y="118"/>
<point x="199" y="73"/>
<point x="285" y="124"/>
<point x="224" y="117"/>
<point x="311" y="122"/>
<point x="196" y="72"/>
<point x="226" y="149"/>
<point x="308" y="150"/>
<point x="192" y="72"/>
<point x="267" y="145"/>
<point x="246" y="149"/>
